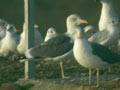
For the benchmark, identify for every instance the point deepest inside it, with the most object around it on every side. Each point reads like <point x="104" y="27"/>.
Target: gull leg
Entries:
<point x="109" y="69"/>
<point x="62" y="70"/>
<point x="90" y="76"/>
<point x="98" y="77"/>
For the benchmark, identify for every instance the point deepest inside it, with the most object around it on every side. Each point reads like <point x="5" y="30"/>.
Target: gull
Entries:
<point x="107" y="13"/>
<point x="9" y="42"/>
<point x="60" y="47"/>
<point x="38" y="39"/>
<point x="92" y="55"/>
<point x="107" y="36"/>
<point x="51" y="32"/>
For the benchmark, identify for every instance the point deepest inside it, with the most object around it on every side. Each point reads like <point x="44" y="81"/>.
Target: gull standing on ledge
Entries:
<point x="60" y="47"/>
<point x="92" y="55"/>
<point x="51" y="32"/>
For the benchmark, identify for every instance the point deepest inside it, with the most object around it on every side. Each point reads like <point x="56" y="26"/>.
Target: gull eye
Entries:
<point x="50" y="31"/>
<point x="113" y="21"/>
<point x="74" y="19"/>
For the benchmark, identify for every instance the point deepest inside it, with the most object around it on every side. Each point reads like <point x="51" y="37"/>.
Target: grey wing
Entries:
<point x="99" y="36"/>
<point x="105" y="54"/>
<point x="54" y="47"/>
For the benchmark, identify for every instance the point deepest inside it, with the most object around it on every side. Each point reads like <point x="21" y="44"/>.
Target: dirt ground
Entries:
<point x="48" y="77"/>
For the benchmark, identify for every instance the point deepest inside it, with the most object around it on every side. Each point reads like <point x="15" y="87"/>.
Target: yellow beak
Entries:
<point x="84" y="22"/>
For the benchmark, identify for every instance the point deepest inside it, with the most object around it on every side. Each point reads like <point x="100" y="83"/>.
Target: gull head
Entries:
<point x="79" y="33"/>
<point x="114" y="22"/>
<point x="75" y="20"/>
<point x="10" y="28"/>
<point x="52" y="31"/>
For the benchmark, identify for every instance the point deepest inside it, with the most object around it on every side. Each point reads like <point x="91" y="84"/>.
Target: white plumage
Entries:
<point x="38" y="39"/>
<point x="58" y="48"/>
<point x="51" y="32"/>
<point x="83" y="53"/>
<point x="107" y="13"/>
<point x="9" y="42"/>
<point x="109" y="35"/>
<point x="92" y="55"/>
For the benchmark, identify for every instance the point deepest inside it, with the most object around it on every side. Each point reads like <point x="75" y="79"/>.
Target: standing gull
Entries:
<point x="38" y="39"/>
<point x="92" y="55"/>
<point x="107" y="13"/>
<point x="60" y="47"/>
<point x="9" y="42"/>
<point x="109" y="35"/>
<point x="51" y="32"/>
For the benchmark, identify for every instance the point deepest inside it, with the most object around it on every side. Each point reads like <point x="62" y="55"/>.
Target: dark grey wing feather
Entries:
<point x="105" y="54"/>
<point x="54" y="47"/>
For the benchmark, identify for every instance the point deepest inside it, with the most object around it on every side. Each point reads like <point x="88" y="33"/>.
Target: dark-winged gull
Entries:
<point x="107" y="12"/>
<point x="38" y="39"/>
<point x="51" y="32"/>
<point x="9" y="42"/>
<point x="92" y="55"/>
<point x="60" y="47"/>
<point x="109" y="35"/>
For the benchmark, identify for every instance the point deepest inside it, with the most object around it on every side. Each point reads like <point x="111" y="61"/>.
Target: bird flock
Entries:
<point x="92" y="52"/>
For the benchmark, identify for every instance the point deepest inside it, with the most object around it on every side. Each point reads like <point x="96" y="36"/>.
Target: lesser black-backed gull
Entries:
<point x="60" y="47"/>
<point x="92" y="55"/>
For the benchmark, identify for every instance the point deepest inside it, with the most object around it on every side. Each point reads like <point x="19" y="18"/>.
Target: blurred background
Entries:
<point x="52" y="13"/>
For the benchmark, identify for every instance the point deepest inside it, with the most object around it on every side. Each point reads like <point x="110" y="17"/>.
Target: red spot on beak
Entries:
<point x="118" y="22"/>
<point x="17" y="30"/>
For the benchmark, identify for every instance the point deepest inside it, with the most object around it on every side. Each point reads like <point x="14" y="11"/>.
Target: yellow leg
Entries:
<point x="62" y="70"/>
<point x="98" y="78"/>
<point x="90" y="76"/>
